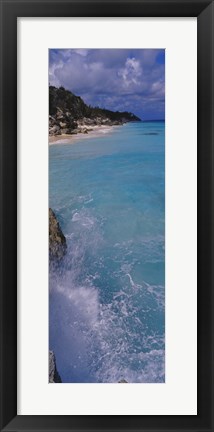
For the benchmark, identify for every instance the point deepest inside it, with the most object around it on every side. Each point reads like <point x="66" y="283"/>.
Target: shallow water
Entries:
<point x="107" y="307"/>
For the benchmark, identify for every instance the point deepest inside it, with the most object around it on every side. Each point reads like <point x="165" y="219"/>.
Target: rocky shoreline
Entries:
<point x="54" y="376"/>
<point x="69" y="115"/>
<point x="57" y="250"/>
<point x="57" y="240"/>
<point x="62" y="124"/>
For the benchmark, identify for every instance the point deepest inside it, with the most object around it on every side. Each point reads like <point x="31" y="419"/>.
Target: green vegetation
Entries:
<point x="62" y="99"/>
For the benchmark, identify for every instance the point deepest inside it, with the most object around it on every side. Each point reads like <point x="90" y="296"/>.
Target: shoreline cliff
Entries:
<point x="70" y="115"/>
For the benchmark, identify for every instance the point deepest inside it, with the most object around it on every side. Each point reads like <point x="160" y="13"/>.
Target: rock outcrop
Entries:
<point x="54" y="376"/>
<point x="57" y="240"/>
<point x="123" y="381"/>
<point x="68" y="114"/>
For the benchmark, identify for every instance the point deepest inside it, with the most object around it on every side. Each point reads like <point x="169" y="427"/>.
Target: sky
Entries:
<point x="116" y="79"/>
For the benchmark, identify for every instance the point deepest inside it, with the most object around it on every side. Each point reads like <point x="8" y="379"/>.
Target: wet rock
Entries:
<point x="57" y="241"/>
<point x="54" y="376"/>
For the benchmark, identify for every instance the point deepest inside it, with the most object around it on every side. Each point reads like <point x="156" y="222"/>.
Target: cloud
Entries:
<point x="131" y="73"/>
<point x="113" y="78"/>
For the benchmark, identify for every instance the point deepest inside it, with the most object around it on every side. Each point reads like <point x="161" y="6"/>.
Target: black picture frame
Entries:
<point x="9" y="12"/>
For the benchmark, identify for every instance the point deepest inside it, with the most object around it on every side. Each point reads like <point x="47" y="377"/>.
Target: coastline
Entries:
<point x="97" y="131"/>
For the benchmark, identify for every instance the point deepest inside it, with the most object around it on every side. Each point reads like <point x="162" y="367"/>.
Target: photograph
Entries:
<point x="106" y="215"/>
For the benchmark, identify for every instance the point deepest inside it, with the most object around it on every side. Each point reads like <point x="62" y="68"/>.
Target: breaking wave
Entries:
<point x="104" y="327"/>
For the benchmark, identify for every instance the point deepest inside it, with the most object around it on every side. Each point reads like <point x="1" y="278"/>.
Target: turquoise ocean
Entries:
<point x="107" y="297"/>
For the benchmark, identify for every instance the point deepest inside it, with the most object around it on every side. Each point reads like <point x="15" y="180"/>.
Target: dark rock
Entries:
<point x="54" y="376"/>
<point x="123" y="381"/>
<point x="51" y="119"/>
<point x="57" y="241"/>
<point x="54" y="130"/>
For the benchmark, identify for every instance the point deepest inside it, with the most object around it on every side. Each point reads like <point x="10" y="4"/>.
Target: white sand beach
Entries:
<point x="72" y="139"/>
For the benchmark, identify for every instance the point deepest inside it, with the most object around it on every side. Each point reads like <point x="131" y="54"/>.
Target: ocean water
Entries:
<point x="107" y="298"/>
